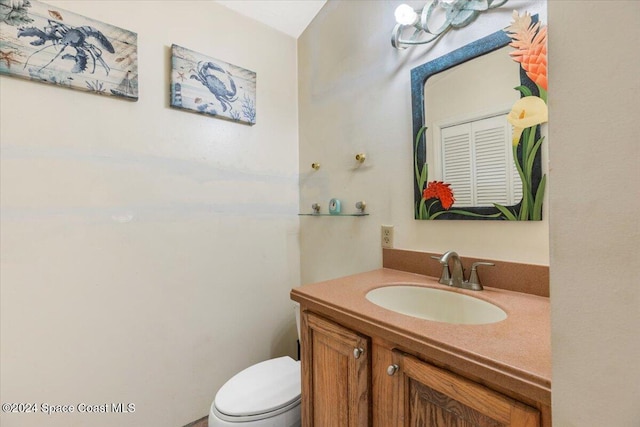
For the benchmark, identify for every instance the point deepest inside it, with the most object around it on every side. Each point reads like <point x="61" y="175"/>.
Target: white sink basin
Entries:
<point x="436" y="304"/>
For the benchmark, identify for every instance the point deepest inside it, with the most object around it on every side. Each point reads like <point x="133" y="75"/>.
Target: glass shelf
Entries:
<point x="326" y="214"/>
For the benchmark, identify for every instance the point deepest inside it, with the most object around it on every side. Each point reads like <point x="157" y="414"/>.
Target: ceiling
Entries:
<point x="288" y="16"/>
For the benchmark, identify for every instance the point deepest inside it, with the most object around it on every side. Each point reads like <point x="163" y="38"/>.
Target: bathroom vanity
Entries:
<point x="364" y="365"/>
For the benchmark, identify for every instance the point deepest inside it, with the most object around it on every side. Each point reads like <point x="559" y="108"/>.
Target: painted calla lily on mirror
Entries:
<point x="525" y="116"/>
<point x="527" y="112"/>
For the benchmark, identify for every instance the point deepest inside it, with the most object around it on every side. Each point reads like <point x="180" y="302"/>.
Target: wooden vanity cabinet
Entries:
<point x="335" y="374"/>
<point x="420" y="394"/>
<point x="347" y="381"/>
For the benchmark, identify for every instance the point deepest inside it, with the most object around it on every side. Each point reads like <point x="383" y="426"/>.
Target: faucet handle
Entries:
<point x="474" y="279"/>
<point x="445" y="277"/>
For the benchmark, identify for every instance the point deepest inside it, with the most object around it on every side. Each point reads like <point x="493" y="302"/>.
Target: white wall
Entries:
<point x="147" y="253"/>
<point x="355" y="97"/>
<point x="595" y="208"/>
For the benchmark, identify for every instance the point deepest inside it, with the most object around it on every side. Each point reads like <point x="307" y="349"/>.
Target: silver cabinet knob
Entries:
<point x="392" y="369"/>
<point x="357" y="352"/>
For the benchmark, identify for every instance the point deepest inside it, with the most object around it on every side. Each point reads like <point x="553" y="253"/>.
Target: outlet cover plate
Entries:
<point x="386" y="236"/>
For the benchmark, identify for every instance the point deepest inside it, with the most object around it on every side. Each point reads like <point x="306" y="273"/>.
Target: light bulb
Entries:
<point x="405" y="15"/>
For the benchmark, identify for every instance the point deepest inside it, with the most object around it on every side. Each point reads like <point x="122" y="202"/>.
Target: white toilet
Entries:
<point x="266" y="394"/>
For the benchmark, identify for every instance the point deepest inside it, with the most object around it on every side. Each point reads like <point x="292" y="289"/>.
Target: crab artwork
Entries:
<point x="43" y="43"/>
<point x="213" y="87"/>
<point x="57" y="34"/>
<point x="216" y="86"/>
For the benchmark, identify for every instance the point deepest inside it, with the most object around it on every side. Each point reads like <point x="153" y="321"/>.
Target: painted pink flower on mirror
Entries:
<point x="530" y="41"/>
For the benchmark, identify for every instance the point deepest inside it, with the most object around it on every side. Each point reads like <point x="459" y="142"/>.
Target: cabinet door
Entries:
<point x="432" y="397"/>
<point x="335" y="375"/>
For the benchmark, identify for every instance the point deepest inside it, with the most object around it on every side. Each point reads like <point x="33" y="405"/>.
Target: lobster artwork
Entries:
<point x="58" y="34"/>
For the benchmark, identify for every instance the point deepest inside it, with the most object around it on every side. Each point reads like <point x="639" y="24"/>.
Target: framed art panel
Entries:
<point x="210" y="86"/>
<point x="48" y="44"/>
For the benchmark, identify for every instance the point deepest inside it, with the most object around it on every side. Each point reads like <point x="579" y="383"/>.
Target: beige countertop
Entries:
<point x="513" y="354"/>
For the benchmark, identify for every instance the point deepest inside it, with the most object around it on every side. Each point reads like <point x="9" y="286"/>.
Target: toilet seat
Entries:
<point x="256" y="417"/>
<point x="261" y="391"/>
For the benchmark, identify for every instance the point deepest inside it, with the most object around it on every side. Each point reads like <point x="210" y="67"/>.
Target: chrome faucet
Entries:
<point x="456" y="277"/>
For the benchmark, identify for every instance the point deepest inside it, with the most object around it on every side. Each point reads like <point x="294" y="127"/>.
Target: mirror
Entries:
<point x="462" y="139"/>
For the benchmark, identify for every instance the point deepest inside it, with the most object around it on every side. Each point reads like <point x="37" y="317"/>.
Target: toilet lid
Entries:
<point x="261" y="388"/>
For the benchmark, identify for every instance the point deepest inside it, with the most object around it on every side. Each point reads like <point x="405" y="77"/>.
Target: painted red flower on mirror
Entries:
<point x="441" y="191"/>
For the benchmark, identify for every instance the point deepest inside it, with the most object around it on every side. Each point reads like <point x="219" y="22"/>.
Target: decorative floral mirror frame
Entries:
<point x="433" y="200"/>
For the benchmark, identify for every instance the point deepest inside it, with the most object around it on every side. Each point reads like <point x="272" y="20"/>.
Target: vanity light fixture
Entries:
<point x="458" y="14"/>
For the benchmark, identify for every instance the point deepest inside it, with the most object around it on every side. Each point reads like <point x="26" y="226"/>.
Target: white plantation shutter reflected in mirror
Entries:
<point x="457" y="162"/>
<point x="478" y="163"/>
<point x="491" y="162"/>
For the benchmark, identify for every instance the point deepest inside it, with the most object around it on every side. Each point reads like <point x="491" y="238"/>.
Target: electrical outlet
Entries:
<point x="386" y="232"/>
